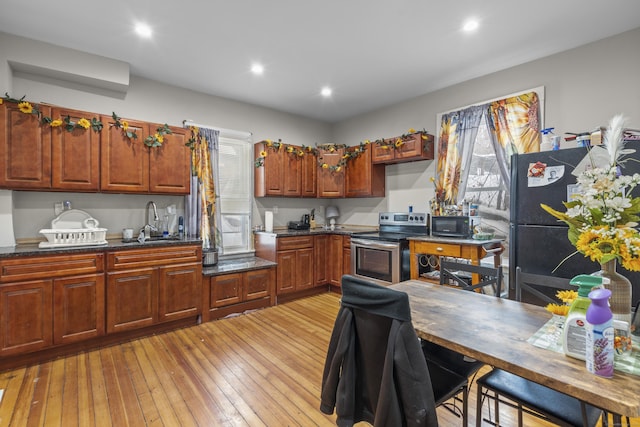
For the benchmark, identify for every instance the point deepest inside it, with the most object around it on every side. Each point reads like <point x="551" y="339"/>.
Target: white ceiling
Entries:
<point x="372" y="53"/>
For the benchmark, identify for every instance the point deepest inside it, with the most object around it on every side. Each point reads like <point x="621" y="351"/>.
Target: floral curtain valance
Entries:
<point x="513" y="125"/>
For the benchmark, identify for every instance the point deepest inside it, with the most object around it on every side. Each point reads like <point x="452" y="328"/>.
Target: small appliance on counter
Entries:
<point x="298" y="225"/>
<point x="460" y="227"/>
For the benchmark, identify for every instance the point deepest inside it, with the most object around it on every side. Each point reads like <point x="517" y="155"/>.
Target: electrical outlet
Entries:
<point x="58" y="208"/>
<point x="275" y="209"/>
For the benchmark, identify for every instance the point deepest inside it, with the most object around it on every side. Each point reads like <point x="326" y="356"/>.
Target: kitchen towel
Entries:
<point x="268" y="221"/>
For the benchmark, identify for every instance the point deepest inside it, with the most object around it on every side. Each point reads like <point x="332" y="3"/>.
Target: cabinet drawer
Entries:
<point x="46" y="267"/>
<point x="438" y="249"/>
<point x="153" y="256"/>
<point x="298" y="242"/>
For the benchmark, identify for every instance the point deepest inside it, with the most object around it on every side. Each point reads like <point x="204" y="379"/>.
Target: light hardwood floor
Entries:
<point x="262" y="368"/>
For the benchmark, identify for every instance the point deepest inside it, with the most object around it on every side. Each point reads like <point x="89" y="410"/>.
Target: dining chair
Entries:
<point x="460" y="273"/>
<point x="534" y="284"/>
<point x="528" y="396"/>
<point x="376" y="370"/>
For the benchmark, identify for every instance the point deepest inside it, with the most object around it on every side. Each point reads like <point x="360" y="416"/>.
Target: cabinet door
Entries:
<point x="411" y="147"/>
<point x="170" y="164"/>
<point x="287" y="276"/>
<point x="346" y="255"/>
<point x="269" y="178"/>
<point x="124" y="166"/>
<point x="131" y="299"/>
<point x="226" y="289"/>
<point x="179" y="291"/>
<point x="292" y="174"/>
<point x="75" y="156"/>
<point x="25" y="317"/>
<point x="25" y="149"/>
<point x="362" y="177"/>
<point x="78" y="308"/>
<point x="321" y="248"/>
<point x="382" y="153"/>
<point x="330" y="183"/>
<point x="335" y="259"/>
<point x="257" y="284"/>
<point x="304" y="267"/>
<point x="309" y="175"/>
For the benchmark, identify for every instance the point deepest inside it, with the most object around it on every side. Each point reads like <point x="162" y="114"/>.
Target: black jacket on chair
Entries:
<point x="375" y="370"/>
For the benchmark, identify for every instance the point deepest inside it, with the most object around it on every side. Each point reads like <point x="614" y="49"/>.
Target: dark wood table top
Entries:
<point x="495" y="331"/>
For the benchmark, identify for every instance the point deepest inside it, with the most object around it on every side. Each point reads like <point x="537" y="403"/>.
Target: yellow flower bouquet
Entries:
<point x="603" y="215"/>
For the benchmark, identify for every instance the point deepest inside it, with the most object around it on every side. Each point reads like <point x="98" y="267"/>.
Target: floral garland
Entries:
<point x="399" y="141"/>
<point x="96" y="125"/>
<point x="308" y="150"/>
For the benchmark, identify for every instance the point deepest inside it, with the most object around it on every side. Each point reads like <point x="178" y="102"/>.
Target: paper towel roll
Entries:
<point x="268" y="221"/>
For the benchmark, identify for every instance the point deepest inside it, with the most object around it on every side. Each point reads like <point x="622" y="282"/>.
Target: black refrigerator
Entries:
<point x="538" y="242"/>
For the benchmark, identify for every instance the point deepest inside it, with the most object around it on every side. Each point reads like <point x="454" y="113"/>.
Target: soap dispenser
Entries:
<point x="574" y="333"/>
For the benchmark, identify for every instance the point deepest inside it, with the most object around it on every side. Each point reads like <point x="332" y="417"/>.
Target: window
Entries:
<point x="235" y="191"/>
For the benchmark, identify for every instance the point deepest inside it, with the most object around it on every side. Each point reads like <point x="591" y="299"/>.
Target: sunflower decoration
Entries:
<point x="157" y="139"/>
<point x="397" y="142"/>
<point x="566" y="297"/>
<point x="603" y="216"/>
<point x="124" y="125"/>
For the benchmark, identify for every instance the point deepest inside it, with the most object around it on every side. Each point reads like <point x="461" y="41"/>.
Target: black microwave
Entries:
<point x="451" y="226"/>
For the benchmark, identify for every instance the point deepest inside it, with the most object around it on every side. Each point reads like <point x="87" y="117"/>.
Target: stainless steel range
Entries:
<point x="383" y="256"/>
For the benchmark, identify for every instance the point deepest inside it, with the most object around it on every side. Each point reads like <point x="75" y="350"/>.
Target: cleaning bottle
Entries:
<point x="547" y="139"/>
<point x="600" y="333"/>
<point x="574" y="332"/>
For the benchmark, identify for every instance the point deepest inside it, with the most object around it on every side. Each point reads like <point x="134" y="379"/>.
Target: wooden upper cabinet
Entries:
<point x="170" y="164"/>
<point x="309" y="176"/>
<point x="124" y="161"/>
<point x="330" y="182"/>
<point x="25" y="149"/>
<point x="413" y="147"/>
<point x="362" y="177"/>
<point x="75" y="156"/>
<point x="292" y="182"/>
<point x="268" y="178"/>
<point x="284" y="173"/>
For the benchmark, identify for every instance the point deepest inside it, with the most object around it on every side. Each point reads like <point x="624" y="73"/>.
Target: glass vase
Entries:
<point x="620" y="288"/>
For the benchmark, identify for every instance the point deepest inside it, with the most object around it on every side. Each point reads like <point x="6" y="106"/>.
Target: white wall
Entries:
<point x="584" y="88"/>
<point x="145" y="100"/>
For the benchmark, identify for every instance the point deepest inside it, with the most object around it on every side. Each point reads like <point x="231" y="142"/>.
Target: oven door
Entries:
<point x="377" y="261"/>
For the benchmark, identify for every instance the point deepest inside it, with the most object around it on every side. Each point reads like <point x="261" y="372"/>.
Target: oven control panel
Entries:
<point x="402" y="218"/>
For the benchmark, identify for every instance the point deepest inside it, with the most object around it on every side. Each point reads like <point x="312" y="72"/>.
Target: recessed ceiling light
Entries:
<point x="470" y="25"/>
<point x="257" y="69"/>
<point x="143" y="30"/>
<point x="326" y="92"/>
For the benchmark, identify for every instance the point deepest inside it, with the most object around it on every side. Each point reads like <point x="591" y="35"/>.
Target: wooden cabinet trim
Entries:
<point x="153" y="257"/>
<point x="28" y="268"/>
<point x="298" y="242"/>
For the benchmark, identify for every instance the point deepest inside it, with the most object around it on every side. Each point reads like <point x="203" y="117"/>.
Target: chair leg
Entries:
<point x="465" y="407"/>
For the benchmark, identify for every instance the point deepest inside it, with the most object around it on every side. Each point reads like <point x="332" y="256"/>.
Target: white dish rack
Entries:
<point x="73" y="228"/>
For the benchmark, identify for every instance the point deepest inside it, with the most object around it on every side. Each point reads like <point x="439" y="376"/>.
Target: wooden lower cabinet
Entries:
<point x="295" y="270"/>
<point x="336" y="260"/>
<point x="25" y="317"/>
<point x="131" y="299"/>
<point x="78" y="308"/>
<point x="150" y="286"/>
<point x="236" y="292"/>
<point x="321" y="268"/>
<point x="48" y="301"/>
<point x="346" y="255"/>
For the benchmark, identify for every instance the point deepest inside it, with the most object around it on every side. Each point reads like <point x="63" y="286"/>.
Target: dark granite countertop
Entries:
<point x="33" y="249"/>
<point x="237" y="265"/>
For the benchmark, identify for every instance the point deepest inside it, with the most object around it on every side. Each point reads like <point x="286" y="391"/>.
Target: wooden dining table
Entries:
<point x="495" y="331"/>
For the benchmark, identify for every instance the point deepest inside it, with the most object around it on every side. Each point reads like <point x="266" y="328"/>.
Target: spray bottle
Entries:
<point x="600" y="334"/>
<point x="549" y="140"/>
<point x="574" y="333"/>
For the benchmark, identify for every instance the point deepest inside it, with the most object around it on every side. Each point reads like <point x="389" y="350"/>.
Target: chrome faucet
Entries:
<point x="150" y="228"/>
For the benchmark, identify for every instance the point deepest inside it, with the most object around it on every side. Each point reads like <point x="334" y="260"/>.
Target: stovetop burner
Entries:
<point x="397" y="227"/>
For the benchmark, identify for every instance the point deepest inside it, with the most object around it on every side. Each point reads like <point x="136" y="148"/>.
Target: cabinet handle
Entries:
<point x="439" y="249"/>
